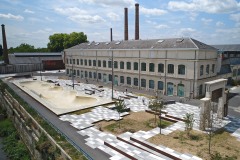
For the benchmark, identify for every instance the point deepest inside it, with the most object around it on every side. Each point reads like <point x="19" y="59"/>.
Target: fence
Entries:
<point x="19" y="68"/>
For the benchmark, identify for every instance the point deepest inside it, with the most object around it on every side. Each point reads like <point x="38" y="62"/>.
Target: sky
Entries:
<point x="33" y="21"/>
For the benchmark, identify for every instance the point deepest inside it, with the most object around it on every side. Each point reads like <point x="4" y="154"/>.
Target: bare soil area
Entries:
<point x="223" y="145"/>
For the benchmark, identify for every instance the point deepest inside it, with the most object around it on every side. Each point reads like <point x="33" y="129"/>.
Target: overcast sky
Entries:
<point x="32" y="21"/>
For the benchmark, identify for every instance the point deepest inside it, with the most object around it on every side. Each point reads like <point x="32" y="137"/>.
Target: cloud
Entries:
<point x="175" y="22"/>
<point x="151" y="22"/>
<point x="107" y="3"/>
<point x="49" y="19"/>
<point x="162" y="26"/>
<point x="152" y="11"/>
<point x="186" y="32"/>
<point x="234" y="33"/>
<point x="208" y="6"/>
<point x="206" y="21"/>
<point x="235" y="17"/>
<point x="87" y="18"/>
<point x="113" y="16"/>
<point x="11" y="16"/>
<point x="193" y="16"/>
<point x="78" y="15"/>
<point x="29" y="11"/>
<point x="219" y="24"/>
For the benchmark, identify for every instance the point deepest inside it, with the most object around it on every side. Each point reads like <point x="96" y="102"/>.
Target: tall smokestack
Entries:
<point x="125" y="24"/>
<point x="111" y="38"/>
<point x="5" y="50"/>
<point x="136" y="21"/>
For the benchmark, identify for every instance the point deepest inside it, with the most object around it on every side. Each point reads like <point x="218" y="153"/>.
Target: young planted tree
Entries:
<point x="120" y="107"/>
<point x="188" y="122"/>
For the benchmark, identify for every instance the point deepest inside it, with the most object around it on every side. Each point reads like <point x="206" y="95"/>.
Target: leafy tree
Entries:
<point x="188" y="122"/>
<point x="60" y="41"/>
<point x="24" y="47"/>
<point x="1" y="50"/>
<point x="120" y="107"/>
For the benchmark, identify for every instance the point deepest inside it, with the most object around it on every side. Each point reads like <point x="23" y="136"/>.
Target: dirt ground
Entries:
<point x="132" y="123"/>
<point x="222" y="144"/>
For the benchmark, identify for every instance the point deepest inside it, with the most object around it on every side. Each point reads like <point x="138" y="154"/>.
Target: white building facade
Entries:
<point x="174" y="67"/>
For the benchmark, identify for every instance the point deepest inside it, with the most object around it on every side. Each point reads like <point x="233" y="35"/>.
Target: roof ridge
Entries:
<point x="194" y="42"/>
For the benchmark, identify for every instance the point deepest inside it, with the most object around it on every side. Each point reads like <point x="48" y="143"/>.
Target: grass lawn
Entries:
<point x="223" y="145"/>
<point x="132" y="123"/>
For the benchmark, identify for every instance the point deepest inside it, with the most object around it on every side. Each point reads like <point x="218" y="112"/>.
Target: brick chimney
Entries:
<point x="125" y="24"/>
<point x="136" y="21"/>
<point x="5" y="50"/>
<point x="111" y="37"/>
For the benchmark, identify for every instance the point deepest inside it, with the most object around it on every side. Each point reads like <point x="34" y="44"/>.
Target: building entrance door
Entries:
<point x="104" y="78"/>
<point x="169" y="89"/>
<point x="180" y="90"/>
<point x="116" y="80"/>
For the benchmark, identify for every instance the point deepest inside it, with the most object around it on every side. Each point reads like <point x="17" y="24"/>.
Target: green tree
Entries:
<point x="120" y="107"/>
<point x="24" y="47"/>
<point x="60" y="41"/>
<point x="188" y="119"/>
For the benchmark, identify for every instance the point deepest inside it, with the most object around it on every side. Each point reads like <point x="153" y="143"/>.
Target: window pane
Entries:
<point x="99" y="76"/>
<point x="94" y="62"/>
<point x="207" y="69"/>
<point x="115" y="64"/>
<point x="81" y="61"/>
<point x="109" y="64"/>
<point x="129" y="80"/>
<point x="160" y="68"/>
<point x="109" y="77"/>
<point x="143" y="83"/>
<point x="86" y="74"/>
<point x="160" y="85"/>
<point x="90" y="62"/>
<point x="201" y="70"/>
<point x="78" y="73"/>
<point x="104" y="63"/>
<point x="122" y="79"/>
<point x="85" y="62"/>
<point x="99" y="63"/>
<point x="73" y="61"/>
<point x="94" y="75"/>
<point x="135" y="81"/>
<point x="143" y="66"/>
<point x="151" y="84"/>
<point x="135" y="66"/>
<point x="77" y="61"/>
<point x="128" y="65"/>
<point x="151" y="67"/>
<point x="90" y="74"/>
<point x="121" y="65"/>
<point x="171" y="68"/>
<point x="181" y="69"/>
<point x="213" y="68"/>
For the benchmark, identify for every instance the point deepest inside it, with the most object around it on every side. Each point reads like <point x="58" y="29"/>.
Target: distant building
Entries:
<point x="175" y="67"/>
<point x="28" y="62"/>
<point x="229" y="60"/>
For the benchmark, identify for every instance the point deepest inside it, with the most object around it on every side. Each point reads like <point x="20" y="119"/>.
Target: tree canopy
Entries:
<point x="60" y="41"/>
<point x="24" y="47"/>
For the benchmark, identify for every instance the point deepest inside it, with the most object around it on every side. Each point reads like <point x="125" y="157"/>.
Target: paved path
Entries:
<point x="64" y="127"/>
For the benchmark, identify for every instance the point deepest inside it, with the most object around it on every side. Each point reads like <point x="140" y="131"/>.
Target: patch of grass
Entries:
<point x="151" y="123"/>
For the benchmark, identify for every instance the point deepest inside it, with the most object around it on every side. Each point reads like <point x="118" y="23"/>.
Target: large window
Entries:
<point x="67" y="71"/>
<point x="143" y="66"/>
<point x="207" y="69"/>
<point x="129" y="81"/>
<point x="170" y="68"/>
<point x="94" y="75"/>
<point x="94" y="63"/>
<point x="128" y="65"/>
<point x="135" y="81"/>
<point x="200" y="90"/>
<point x="122" y="79"/>
<point x="90" y="62"/>
<point x="109" y="77"/>
<point x="99" y="76"/>
<point x="151" y="84"/>
<point x="201" y="70"/>
<point x="90" y="74"/>
<point x="121" y="65"/>
<point x="81" y="61"/>
<point x="85" y="62"/>
<point x="73" y="61"/>
<point x="143" y="83"/>
<point x="104" y="63"/>
<point x="99" y="63"/>
<point x="109" y="64"/>
<point x="70" y="61"/>
<point x="151" y="67"/>
<point x="78" y="73"/>
<point x="86" y="74"/>
<point x="160" y="85"/>
<point x="160" y="68"/>
<point x="77" y="61"/>
<point x="213" y="68"/>
<point x="181" y="69"/>
<point x="135" y="66"/>
<point x="115" y="64"/>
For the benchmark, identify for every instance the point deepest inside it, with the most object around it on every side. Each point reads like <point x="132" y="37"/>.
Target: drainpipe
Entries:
<point x="139" y="71"/>
<point x="194" y="73"/>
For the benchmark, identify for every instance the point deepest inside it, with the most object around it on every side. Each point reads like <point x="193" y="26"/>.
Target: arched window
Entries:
<point x="143" y="83"/>
<point x="180" y="90"/>
<point x="160" y="85"/>
<point x="128" y="65"/>
<point x="170" y="68"/>
<point x="181" y="69"/>
<point x="129" y="81"/>
<point x="104" y="63"/>
<point x="99" y="63"/>
<point x="121" y="65"/>
<point x="135" y="81"/>
<point x="207" y="69"/>
<point x="122" y="79"/>
<point x="115" y="64"/>
<point x="169" y="89"/>
<point x="143" y="66"/>
<point x="135" y="66"/>
<point x="151" y="67"/>
<point x="201" y="70"/>
<point x="151" y="84"/>
<point x="161" y="68"/>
